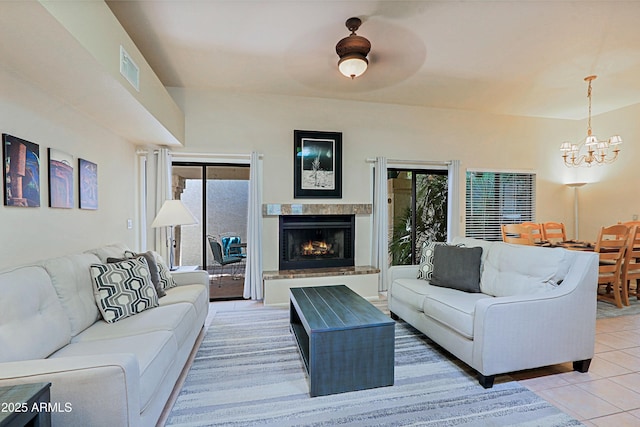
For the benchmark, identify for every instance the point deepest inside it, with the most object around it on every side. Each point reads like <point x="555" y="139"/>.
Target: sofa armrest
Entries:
<point x="95" y="390"/>
<point x="191" y="277"/>
<point x="524" y="331"/>
<point x="402" y="272"/>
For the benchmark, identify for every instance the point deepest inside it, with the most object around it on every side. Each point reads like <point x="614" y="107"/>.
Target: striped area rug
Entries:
<point x="248" y="372"/>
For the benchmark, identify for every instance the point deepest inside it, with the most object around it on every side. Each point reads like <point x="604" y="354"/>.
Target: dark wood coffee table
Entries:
<point x="345" y="342"/>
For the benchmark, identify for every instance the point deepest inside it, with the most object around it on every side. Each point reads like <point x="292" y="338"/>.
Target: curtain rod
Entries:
<point x="415" y="162"/>
<point x="214" y="155"/>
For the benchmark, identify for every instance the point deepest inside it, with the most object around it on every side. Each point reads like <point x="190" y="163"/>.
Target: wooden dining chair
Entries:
<point x="554" y="232"/>
<point x="630" y="223"/>
<point x="611" y="247"/>
<point x="631" y="265"/>
<point x="536" y="231"/>
<point x="517" y="233"/>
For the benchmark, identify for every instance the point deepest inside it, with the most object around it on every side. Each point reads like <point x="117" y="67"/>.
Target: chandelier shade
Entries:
<point x="353" y="51"/>
<point x="591" y="150"/>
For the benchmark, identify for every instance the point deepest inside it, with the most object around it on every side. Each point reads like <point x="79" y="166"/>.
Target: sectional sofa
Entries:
<point x="533" y="306"/>
<point x="117" y="373"/>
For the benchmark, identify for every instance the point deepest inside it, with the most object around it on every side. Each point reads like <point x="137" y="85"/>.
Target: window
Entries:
<point x="495" y="198"/>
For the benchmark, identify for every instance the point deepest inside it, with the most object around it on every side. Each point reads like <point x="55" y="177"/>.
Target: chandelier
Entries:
<point x="591" y="151"/>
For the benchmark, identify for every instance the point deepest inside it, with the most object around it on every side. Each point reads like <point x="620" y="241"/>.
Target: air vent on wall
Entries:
<point x="129" y="69"/>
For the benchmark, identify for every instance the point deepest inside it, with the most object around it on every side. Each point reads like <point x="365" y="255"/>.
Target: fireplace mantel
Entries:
<point x="277" y="209"/>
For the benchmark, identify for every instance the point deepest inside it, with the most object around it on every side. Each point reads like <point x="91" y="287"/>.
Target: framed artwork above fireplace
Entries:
<point x="317" y="164"/>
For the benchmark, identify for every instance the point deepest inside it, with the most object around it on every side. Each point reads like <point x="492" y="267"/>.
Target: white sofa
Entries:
<point x="533" y="322"/>
<point x="102" y="374"/>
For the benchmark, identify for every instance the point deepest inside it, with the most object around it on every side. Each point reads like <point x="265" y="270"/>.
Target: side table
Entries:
<point x="25" y="404"/>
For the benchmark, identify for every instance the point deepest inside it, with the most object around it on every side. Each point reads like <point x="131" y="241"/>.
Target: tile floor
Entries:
<point x="607" y="395"/>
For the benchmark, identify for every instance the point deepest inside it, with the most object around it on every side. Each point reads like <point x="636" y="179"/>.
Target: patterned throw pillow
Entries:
<point x="166" y="280"/>
<point x="425" y="269"/>
<point x="123" y="289"/>
<point x="153" y="268"/>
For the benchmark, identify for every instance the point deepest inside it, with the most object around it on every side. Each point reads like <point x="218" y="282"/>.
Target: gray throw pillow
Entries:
<point x="457" y="268"/>
<point x="425" y="268"/>
<point x="153" y="269"/>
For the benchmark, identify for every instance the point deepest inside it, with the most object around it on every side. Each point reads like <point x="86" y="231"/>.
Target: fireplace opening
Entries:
<point x="316" y="241"/>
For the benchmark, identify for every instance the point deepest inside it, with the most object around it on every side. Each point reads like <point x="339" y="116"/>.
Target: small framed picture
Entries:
<point x="317" y="164"/>
<point x="88" y="177"/>
<point x="60" y="179"/>
<point x="21" y="161"/>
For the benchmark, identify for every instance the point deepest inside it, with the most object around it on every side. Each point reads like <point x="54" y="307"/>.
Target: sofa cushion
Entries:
<point x="410" y="291"/>
<point x="178" y="319"/>
<point x="457" y="268"/>
<point x="155" y="352"/>
<point x="452" y="308"/>
<point x="123" y="289"/>
<point x="33" y="323"/>
<point x="72" y="281"/>
<point x="518" y="269"/>
<point x="195" y="295"/>
<point x="115" y="250"/>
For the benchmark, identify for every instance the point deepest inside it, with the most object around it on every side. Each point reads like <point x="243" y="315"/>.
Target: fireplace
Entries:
<point x="316" y="241"/>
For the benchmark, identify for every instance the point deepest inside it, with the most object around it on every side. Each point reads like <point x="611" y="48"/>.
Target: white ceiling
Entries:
<point x="507" y="57"/>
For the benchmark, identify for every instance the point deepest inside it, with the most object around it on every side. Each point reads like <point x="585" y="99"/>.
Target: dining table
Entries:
<point x="574" y="245"/>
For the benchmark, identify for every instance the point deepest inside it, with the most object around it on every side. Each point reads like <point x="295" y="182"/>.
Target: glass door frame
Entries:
<point x="203" y="166"/>
<point x="414" y="172"/>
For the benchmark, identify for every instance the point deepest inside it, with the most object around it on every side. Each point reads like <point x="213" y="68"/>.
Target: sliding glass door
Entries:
<point x="417" y="211"/>
<point x="218" y="195"/>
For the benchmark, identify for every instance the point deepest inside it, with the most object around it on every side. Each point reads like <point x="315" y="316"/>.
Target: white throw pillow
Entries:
<point x="166" y="279"/>
<point x="520" y="270"/>
<point x="123" y="289"/>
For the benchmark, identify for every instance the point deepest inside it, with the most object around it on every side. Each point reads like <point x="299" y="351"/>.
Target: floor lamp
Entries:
<point x="575" y="186"/>
<point x="172" y="213"/>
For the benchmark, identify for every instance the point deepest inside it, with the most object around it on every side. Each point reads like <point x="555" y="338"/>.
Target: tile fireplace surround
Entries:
<point x="362" y="279"/>
<point x="277" y="209"/>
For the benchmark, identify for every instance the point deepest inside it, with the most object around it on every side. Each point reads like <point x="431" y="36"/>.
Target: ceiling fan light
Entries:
<point x="353" y="51"/>
<point x="353" y="65"/>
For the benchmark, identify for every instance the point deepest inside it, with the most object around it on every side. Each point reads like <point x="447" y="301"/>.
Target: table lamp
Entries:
<point x="172" y="213"/>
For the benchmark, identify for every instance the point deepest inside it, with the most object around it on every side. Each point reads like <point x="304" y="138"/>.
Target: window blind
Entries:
<point x="495" y="198"/>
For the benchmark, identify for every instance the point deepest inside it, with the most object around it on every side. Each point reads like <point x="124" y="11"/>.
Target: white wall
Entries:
<point x="31" y="234"/>
<point x="227" y="123"/>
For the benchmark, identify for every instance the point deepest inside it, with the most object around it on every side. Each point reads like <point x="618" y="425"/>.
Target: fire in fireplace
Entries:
<point x="316" y="241"/>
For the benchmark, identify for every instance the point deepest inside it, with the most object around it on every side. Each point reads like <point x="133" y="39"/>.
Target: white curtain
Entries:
<point x="380" y="238"/>
<point x="159" y="190"/>
<point x="453" y="200"/>
<point x="253" y="272"/>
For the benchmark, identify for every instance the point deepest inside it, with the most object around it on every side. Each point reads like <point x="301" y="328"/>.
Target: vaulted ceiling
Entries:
<point x="513" y="57"/>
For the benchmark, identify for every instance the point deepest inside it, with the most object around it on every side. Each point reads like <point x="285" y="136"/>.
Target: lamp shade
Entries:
<point x="173" y="212"/>
<point x="615" y="140"/>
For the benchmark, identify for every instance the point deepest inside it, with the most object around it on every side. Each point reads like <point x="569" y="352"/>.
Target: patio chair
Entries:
<point x="220" y="260"/>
